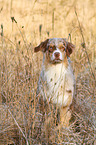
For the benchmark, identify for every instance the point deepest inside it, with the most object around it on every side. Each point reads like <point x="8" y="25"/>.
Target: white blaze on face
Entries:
<point x="56" y="51"/>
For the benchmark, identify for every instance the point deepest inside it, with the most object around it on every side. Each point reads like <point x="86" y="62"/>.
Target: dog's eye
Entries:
<point x="50" y="49"/>
<point x="62" y="48"/>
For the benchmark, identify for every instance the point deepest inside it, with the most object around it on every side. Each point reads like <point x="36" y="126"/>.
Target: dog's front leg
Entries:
<point x="65" y="116"/>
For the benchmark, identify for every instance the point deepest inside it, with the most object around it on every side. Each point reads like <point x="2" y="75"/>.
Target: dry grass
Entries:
<point x="32" y="21"/>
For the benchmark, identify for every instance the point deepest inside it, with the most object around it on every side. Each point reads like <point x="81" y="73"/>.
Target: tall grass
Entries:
<point x="24" y="24"/>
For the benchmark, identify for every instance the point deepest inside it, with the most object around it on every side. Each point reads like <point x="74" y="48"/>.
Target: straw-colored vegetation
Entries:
<point x="23" y="25"/>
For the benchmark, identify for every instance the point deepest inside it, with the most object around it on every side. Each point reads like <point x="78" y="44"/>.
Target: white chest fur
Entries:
<point x="56" y="84"/>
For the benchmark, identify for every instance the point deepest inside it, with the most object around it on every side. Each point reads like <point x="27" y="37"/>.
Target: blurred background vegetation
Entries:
<point x="23" y="25"/>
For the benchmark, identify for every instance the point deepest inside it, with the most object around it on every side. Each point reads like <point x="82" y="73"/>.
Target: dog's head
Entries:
<point x="54" y="49"/>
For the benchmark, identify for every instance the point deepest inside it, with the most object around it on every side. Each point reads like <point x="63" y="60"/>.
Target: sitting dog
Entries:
<point x="56" y="82"/>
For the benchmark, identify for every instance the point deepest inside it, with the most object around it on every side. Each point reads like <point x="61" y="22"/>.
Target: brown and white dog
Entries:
<point x="56" y="82"/>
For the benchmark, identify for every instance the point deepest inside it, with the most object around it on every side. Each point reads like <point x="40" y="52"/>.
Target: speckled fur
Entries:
<point x="56" y="82"/>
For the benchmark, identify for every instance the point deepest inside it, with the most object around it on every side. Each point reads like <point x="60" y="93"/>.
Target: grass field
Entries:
<point x="23" y="25"/>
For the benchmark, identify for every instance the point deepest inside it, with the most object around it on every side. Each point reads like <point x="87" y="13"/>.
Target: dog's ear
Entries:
<point x="70" y="48"/>
<point x="42" y="46"/>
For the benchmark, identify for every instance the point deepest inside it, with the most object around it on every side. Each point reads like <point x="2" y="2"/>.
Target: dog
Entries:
<point x="56" y="82"/>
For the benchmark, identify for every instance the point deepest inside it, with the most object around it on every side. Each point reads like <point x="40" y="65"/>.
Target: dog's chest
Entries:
<point x="54" y="78"/>
<point x="56" y="82"/>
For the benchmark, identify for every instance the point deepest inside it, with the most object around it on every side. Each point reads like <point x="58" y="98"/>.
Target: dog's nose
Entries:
<point x="57" y="54"/>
